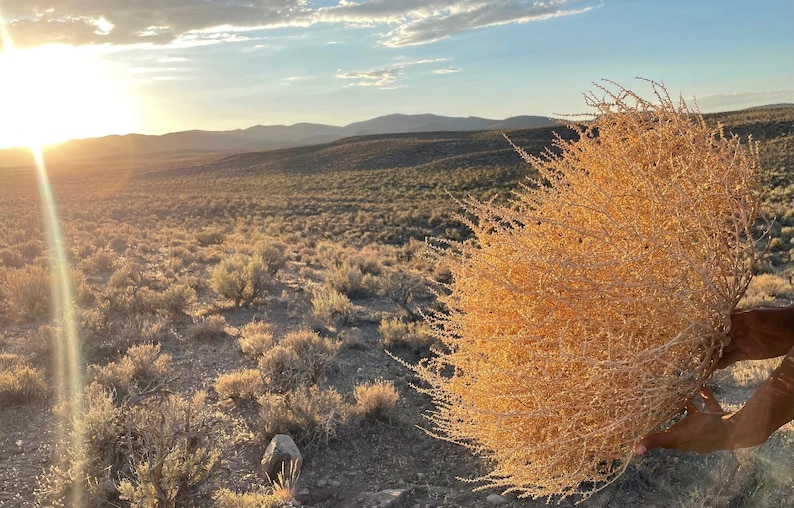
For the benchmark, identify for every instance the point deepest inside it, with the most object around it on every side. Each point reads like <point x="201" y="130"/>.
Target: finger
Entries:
<point x="712" y="405"/>
<point x="664" y="439"/>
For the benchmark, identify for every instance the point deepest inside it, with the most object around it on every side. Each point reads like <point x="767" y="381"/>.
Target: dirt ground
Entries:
<point x="396" y="453"/>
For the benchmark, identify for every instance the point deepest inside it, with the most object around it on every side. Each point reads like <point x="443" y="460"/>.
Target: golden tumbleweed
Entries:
<point x="583" y="315"/>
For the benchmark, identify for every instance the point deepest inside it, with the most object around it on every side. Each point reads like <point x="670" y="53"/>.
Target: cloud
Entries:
<point x="141" y="21"/>
<point x="383" y="78"/>
<point x="422" y="22"/>
<point x="449" y="70"/>
<point x="162" y="22"/>
<point x="387" y="77"/>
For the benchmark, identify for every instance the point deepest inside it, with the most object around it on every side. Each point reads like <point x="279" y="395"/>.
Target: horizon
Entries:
<point x="66" y="141"/>
<point x="93" y="70"/>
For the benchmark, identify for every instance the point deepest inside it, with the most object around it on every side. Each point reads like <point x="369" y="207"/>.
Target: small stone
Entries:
<point x="304" y="492"/>
<point x="389" y="498"/>
<point x="495" y="500"/>
<point x="334" y="483"/>
<point x="322" y="482"/>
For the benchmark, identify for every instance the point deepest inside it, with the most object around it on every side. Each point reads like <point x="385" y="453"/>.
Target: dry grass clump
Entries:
<point x="586" y="312"/>
<point x="227" y="499"/>
<point x="246" y="383"/>
<point x="376" y="400"/>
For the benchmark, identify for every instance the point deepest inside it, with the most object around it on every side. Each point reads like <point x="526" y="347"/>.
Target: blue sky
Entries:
<point x="155" y="66"/>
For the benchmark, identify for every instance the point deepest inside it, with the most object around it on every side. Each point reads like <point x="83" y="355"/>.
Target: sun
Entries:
<point x="54" y="93"/>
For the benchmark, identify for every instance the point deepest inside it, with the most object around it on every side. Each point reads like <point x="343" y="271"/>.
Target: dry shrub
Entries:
<point x="345" y="278"/>
<point x="395" y="332"/>
<point x="376" y="400"/>
<point x="143" y="367"/>
<point x="27" y="292"/>
<point x="19" y="382"/>
<point x="273" y="255"/>
<point x="176" y="299"/>
<point x="766" y="288"/>
<point x="752" y="373"/>
<point x="256" y="338"/>
<point x="99" y="263"/>
<point x="241" y="278"/>
<point x="246" y="383"/>
<point x="584" y="314"/>
<point x="300" y="358"/>
<point x="308" y="415"/>
<point x="180" y="459"/>
<point x="208" y="329"/>
<point x="88" y="463"/>
<point x="331" y="308"/>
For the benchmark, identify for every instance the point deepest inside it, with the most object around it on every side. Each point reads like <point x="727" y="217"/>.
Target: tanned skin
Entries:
<point x="756" y="334"/>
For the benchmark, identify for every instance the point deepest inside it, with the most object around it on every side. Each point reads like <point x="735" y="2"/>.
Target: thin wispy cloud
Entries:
<point x="380" y="78"/>
<point x="124" y="22"/>
<point x="449" y="70"/>
<point x="387" y="77"/>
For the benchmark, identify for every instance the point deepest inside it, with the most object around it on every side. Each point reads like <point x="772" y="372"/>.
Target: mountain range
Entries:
<point x="262" y="137"/>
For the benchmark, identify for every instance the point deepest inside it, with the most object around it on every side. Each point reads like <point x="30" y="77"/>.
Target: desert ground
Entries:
<point x="221" y="299"/>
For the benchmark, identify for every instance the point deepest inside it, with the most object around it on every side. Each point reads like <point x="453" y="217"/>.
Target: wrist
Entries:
<point x="743" y="431"/>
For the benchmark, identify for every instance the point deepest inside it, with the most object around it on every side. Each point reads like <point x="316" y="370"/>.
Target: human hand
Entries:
<point x="700" y="431"/>
<point x="759" y="333"/>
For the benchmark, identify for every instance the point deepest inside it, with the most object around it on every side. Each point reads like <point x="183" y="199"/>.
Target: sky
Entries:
<point x="86" y="68"/>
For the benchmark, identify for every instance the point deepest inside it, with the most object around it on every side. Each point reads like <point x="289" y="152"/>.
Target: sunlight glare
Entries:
<point x="67" y="348"/>
<point x="54" y="93"/>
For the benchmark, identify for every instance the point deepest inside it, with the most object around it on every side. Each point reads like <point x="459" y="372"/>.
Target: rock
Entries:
<point x="281" y="455"/>
<point x="389" y="498"/>
<point x="322" y="482"/>
<point x="495" y="500"/>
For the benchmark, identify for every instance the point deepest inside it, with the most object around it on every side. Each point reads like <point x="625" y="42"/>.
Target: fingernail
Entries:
<point x="639" y="449"/>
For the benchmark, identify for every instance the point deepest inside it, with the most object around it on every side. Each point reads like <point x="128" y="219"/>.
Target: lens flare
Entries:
<point x="67" y="360"/>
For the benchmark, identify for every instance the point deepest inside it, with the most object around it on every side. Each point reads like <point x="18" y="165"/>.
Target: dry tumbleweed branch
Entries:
<point x="584" y="315"/>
